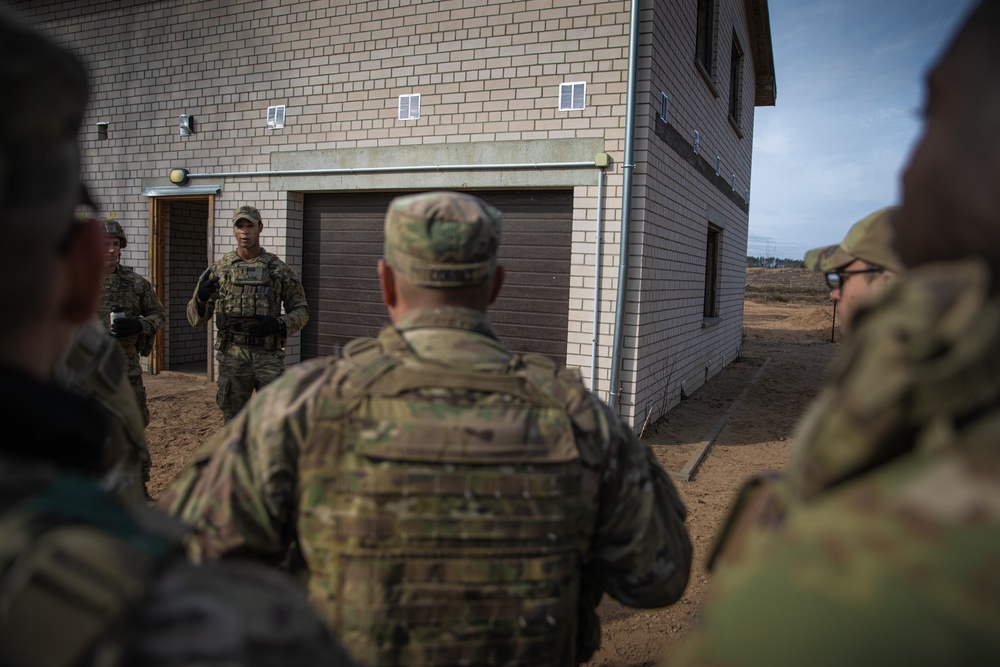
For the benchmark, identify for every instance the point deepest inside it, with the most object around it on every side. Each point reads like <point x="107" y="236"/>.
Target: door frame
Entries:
<point x="158" y="206"/>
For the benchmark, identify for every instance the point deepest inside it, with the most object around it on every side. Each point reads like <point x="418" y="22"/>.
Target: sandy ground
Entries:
<point x="756" y="401"/>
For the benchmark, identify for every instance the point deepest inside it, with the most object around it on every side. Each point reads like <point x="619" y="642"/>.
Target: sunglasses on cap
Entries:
<point x="836" y="279"/>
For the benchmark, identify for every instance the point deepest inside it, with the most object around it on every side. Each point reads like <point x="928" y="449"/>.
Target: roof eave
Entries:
<point x="759" y="23"/>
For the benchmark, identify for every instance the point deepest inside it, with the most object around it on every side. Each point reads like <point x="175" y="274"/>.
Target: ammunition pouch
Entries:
<point x="144" y="344"/>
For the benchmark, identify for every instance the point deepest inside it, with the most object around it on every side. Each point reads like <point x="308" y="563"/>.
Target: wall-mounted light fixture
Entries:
<point x="186" y="125"/>
<point x="718" y="165"/>
<point x="696" y="142"/>
<point x="102" y="129"/>
<point x="664" y="107"/>
<point x="178" y="176"/>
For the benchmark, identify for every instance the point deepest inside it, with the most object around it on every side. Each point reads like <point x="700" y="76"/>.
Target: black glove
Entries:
<point x="264" y="327"/>
<point x="208" y="285"/>
<point x="126" y="326"/>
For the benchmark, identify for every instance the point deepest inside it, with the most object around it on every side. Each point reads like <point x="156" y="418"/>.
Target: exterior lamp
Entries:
<point x="179" y="176"/>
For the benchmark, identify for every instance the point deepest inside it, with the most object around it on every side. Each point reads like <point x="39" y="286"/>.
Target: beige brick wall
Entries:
<point x="488" y="73"/>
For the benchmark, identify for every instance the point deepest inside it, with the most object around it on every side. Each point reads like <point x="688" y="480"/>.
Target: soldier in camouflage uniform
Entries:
<point x="84" y="579"/>
<point x="858" y="268"/>
<point x="246" y="290"/>
<point x="451" y="502"/>
<point x="883" y="546"/>
<point x="94" y="366"/>
<point x="143" y="312"/>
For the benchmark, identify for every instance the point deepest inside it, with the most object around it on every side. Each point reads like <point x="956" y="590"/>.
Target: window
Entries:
<point x="409" y="107"/>
<point x="571" y="96"/>
<point x="276" y="117"/>
<point x="736" y="83"/>
<point x="705" y="44"/>
<point x="712" y="272"/>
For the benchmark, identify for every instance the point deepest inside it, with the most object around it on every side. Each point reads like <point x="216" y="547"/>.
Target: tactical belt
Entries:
<point x="245" y="339"/>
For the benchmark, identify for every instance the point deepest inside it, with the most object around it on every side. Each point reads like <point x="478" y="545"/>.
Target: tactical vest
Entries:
<point x="444" y="514"/>
<point x="72" y="565"/>
<point x="245" y="295"/>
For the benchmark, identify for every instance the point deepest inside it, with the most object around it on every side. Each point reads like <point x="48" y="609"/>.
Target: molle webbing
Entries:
<point x="441" y="511"/>
<point x="445" y="483"/>
<point x="247" y="291"/>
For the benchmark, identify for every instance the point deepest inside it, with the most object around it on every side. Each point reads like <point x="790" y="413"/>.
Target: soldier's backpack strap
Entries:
<point x="74" y="564"/>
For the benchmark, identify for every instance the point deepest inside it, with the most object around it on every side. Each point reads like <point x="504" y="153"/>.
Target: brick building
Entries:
<point x="584" y="121"/>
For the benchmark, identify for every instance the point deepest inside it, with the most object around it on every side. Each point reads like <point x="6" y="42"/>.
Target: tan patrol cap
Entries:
<point x="869" y="239"/>
<point x="442" y="239"/>
<point x="247" y="212"/>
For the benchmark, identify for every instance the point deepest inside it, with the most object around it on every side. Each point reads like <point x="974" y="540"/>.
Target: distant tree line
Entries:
<point x="775" y="263"/>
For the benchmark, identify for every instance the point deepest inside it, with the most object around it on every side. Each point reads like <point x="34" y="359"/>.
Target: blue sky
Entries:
<point x="850" y="83"/>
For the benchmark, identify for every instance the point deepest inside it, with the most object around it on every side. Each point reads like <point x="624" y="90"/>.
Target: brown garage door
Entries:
<point x="342" y="238"/>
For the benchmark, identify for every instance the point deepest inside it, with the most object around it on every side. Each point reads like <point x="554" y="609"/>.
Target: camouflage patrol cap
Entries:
<point x="869" y="239"/>
<point x="39" y="156"/>
<point x="112" y="228"/>
<point x="442" y="239"/>
<point x="247" y="212"/>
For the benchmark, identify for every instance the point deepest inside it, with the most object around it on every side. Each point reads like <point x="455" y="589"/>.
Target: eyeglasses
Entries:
<point x="836" y="279"/>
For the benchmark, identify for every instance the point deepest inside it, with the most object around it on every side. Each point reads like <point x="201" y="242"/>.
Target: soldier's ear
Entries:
<point x="387" y="280"/>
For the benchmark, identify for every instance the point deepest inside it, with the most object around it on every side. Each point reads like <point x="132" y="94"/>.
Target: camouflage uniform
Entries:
<point x="452" y="502"/>
<point x="132" y="292"/>
<point x="249" y="290"/>
<point x="94" y="366"/>
<point x="86" y="580"/>
<point x="886" y="549"/>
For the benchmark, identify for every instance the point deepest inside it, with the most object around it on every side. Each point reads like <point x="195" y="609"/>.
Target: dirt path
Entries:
<point x="789" y="340"/>
<point x="794" y="342"/>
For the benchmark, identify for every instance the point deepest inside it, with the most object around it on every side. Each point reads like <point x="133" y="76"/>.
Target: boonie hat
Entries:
<point x="442" y="239"/>
<point x="869" y="239"/>
<point x="247" y="212"/>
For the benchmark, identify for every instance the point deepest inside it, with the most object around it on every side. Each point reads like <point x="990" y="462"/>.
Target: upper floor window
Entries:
<point x="409" y="107"/>
<point x="705" y="45"/>
<point x="572" y="96"/>
<point x="736" y="83"/>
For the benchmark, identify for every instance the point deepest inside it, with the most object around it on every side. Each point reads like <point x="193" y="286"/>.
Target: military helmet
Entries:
<point x="112" y="228"/>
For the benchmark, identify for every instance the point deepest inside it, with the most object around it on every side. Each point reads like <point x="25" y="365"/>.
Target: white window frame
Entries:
<point x="572" y="96"/>
<point x="409" y="106"/>
<point x="276" y="117"/>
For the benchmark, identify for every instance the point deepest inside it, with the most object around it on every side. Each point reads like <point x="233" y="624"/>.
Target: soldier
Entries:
<point x="84" y="579"/>
<point x="129" y="309"/>
<point x="452" y="502"/>
<point x="887" y="551"/>
<point x="246" y="290"/>
<point x="867" y="252"/>
<point x="94" y="365"/>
